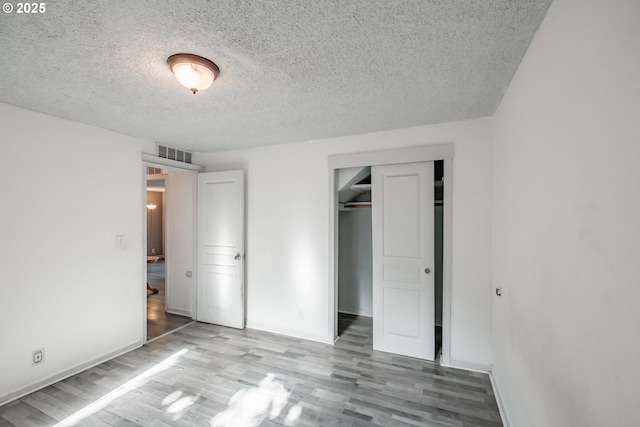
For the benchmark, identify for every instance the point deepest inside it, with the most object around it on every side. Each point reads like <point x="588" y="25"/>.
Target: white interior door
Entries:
<point x="403" y="259"/>
<point x="220" y="242"/>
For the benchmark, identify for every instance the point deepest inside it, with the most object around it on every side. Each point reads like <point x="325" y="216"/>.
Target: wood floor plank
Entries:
<point x="229" y="377"/>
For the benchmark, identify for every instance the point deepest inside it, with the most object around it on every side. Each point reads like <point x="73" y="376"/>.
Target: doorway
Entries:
<point x="441" y="157"/>
<point x="355" y="281"/>
<point x="165" y="241"/>
<point x="355" y="269"/>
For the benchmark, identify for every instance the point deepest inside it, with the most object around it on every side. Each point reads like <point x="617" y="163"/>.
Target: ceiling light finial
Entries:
<point x="192" y="71"/>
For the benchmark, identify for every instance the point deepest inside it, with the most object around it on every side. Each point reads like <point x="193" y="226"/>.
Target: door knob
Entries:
<point x="237" y="257"/>
<point x="427" y="270"/>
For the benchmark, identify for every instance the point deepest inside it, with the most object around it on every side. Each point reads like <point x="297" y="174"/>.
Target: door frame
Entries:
<point x="161" y="163"/>
<point x="425" y="153"/>
<point x="164" y="221"/>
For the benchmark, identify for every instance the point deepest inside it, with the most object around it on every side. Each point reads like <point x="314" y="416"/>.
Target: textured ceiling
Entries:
<point x="291" y="70"/>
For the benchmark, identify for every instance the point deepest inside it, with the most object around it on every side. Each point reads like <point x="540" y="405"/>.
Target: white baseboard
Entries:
<point x="290" y="333"/>
<point x="35" y="386"/>
<point x="501" y="408"/>
<point x="486" y="369"/>
<point x="179" y="312"/>
<point x="469" y="366"/>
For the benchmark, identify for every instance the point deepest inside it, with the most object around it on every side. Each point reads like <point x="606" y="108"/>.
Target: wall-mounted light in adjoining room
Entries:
<point x="192" y="71"/>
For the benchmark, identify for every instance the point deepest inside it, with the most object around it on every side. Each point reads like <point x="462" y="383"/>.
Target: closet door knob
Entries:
<point x="427" y="270"/>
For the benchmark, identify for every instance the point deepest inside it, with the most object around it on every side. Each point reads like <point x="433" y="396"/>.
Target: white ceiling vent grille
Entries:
<point x="174" y="154"/>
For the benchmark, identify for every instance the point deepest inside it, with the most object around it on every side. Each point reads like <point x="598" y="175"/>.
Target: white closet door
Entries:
<point x="403" y="259"/>
<point x="220" y="242"/>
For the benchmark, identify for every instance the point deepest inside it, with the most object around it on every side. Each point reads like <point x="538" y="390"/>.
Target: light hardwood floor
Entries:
<point x="207" y="375"/>
<point x="160" y="322"/>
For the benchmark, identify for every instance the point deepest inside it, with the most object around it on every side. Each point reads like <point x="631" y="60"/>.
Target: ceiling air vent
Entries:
<point x="174" y="154"/>
<point x="153" y="171"/>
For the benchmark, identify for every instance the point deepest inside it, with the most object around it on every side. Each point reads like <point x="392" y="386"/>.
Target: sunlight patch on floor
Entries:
<point x="248" y="408"/>
<point x="177" y="403"/>
<point x="130" y="385"/>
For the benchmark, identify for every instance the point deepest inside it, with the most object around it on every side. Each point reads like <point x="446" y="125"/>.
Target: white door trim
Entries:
<point x="143" y="246"/>
<point x="423" y="153"/>
<point x="160" y="163"/>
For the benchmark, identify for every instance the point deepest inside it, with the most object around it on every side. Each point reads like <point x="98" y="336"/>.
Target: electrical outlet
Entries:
<point x="37" y="356"/>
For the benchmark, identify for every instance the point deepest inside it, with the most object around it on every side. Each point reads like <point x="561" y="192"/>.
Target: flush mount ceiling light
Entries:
<point x="192" y="71"/>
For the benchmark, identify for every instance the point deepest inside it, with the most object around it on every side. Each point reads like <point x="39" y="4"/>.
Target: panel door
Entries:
<point x="403" y="259"/>
<point x="220" y="244"/>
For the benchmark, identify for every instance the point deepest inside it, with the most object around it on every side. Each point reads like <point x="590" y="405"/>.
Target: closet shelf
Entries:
<point x="361" y="188"/>
<point x="357" y="205"/>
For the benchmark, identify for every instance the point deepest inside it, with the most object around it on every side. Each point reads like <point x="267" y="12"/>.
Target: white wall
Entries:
<point x="288" y="230"/>
<point x="355" y="263"/>
<point x="180" y="247"/>
<point x="67" y="190"/>
<point x="567" y="222"/>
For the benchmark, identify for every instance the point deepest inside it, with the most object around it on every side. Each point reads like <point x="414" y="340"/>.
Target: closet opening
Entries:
<point x="355" y="283"/>
<point x="355" y="258"/>
<point x="408" y="178"/>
